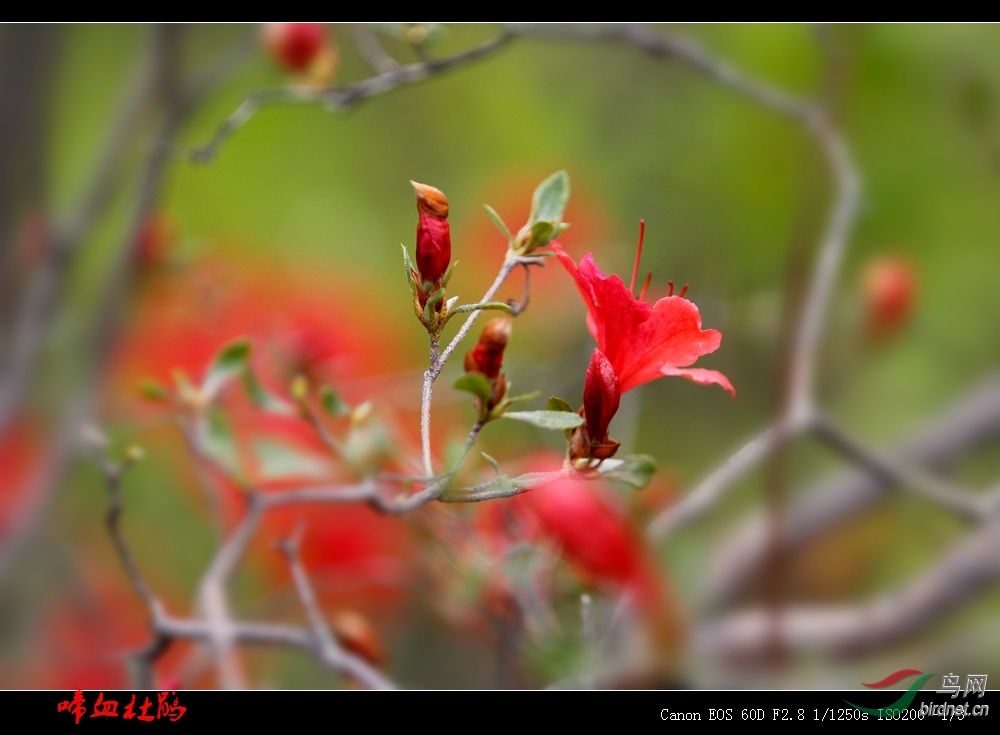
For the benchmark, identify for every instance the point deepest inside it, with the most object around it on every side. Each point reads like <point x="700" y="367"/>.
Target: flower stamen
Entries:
<point x="638" y="255"/>
<point x="645" y="286"/>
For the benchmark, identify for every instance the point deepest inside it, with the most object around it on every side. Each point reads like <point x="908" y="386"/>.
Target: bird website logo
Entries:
<point x="902" y="704"/>
<point x="901" y="709"/>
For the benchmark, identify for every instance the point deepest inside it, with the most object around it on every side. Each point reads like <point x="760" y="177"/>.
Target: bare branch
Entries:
<point x="964" y="426"/>
<point x="933" y="488"/>
<point x="713" y="488"/>
<point x="330" y="650"/>
<point x="345" y="96"/>
<point x="369" y="47"/>
<point x="670" y="46"/>
<point x="966" y="571"/>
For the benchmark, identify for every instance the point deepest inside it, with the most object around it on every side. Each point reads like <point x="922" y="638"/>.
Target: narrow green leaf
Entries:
<point x="431" y="302"/>
<point x="262" y="398"/>
<point x="277" y="461"/>
<point x="558" y="404"/>
<point x="153" y="391"/>
<point x="489" y="305"/>
<point x="229" y="363"/>
<point x="550" y="199"/>
<point x="475" y="383"/>
<point x="547" y="419"/>
<point x="218" y="442"/>
<point x="332" y="403"/>
<point x="448" y="273"/>
<point x="408" y="267"/>
<point x="499" y="223"/>
<point x="636" y="470"/>
<point x="493" y="463"/>
<point x="523" y="398"/>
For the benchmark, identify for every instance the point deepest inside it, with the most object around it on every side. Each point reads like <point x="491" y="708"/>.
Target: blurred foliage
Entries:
<point x="727" y="190"/>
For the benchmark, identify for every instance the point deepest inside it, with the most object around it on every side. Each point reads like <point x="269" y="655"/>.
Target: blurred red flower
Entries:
<point x="889" y="285"/>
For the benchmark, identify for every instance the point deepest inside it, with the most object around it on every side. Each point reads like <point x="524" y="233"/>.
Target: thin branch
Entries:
<point x="713" y="488"/>
<point x="345" y="96"/>
<point x="670" y="46"/>
<point x="963" y="573"/>
<point x="933" y="488"/>
<point x="330" y="650"/>
<point x="437" y="361"/>
<point x="964" y="426"/>
<point x="371" y="50"/>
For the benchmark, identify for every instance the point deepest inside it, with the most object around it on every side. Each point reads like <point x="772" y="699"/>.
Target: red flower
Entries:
<point x="890" y="294"/>
<point x="643" y="341"/>
<point x="433" y="233"/>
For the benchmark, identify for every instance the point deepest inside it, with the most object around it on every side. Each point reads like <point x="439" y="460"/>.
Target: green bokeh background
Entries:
<point x="728" y="190"/>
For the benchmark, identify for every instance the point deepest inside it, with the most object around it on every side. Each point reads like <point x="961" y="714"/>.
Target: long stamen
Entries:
<point x="638" y="254"/>
<point x="645" y="286"/>
<point x="684" y="290"/>
<point x="671" y="284"/>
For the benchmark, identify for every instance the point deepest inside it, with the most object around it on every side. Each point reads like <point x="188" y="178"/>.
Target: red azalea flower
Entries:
<point x="295" y="44"/>
<point x="643" y="341"/>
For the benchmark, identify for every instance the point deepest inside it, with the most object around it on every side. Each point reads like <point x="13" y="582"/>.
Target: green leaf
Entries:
<point x="332" y="403"/>
<point x="489" y="305"/>
<point x="408" y="266"/>
<point x="153" y="391"/>
<point x="550" y="199"/>
<point x="475" y="383"/>
<point x="558" y="404"/>
<point x="523" y="398"/>
<point x="431" y="302"/>
<point x="547" y="419"/>
<point x="636" y="470"/>
<point x="448" y="273"/>
<point x="262" y="398"/>
<point x="218" y="442"/>
<point x="499" y="223"/>
<point x="278" y="461"/>
<point x="493" y="463"/>
<point x="229" y="363"/>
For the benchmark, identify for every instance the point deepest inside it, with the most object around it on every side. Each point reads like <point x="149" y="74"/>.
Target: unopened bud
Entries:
<point x="356" y="633"/>
<point x="430" y="201"/>
<point x="433" y="234"/>
<point x="889" y="284"/>
<point x="487" y="356"/>
<point x="295" y="45"/>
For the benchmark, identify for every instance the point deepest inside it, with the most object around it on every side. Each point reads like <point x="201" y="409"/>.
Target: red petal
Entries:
<point x="671" y="336"/>
<point x="702" y="376"/>
<point x="601" y="396"/>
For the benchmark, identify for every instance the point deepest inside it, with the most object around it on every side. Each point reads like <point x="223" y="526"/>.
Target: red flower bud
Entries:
<point x="433" y="234"/>
<point x="295" y="45"/>
<point x="601" y="396"/>
<point x="487" y="356"/>
<point x="356" y="633"/>
<point x="889" y="284"/>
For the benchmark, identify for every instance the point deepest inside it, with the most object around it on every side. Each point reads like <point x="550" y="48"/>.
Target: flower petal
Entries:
<point x="702" y="376"/>
<point x="671" y="336"/>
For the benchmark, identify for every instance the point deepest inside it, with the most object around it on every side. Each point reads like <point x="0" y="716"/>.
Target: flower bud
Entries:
<point x="601" y="397"/>
<point x="356" y="633"/>
<point x="487" y="356"/>
<point x="889" y="286"/>
<point x="433" y="233"/>
<point x="295" y="45"/>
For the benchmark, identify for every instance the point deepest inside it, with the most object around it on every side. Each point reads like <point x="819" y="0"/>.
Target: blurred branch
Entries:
<point x="342" y="97"/>
<point x="371" y="50"/>
<point x="964" y="426"/>
<point x="330" y="651"/>
<point x="964" y="572"/>
<point x="177" y="107"/>
<point x="933" y="488"/>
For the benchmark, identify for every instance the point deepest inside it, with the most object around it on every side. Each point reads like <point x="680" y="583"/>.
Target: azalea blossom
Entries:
<point x="636" y="342"/>
<point x="643" y="341"/>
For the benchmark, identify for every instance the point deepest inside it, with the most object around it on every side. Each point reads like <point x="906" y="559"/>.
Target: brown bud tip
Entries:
<point x="496" y="334"/>
<point x="356" y="633"/>
<point x="431" y="201"/>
